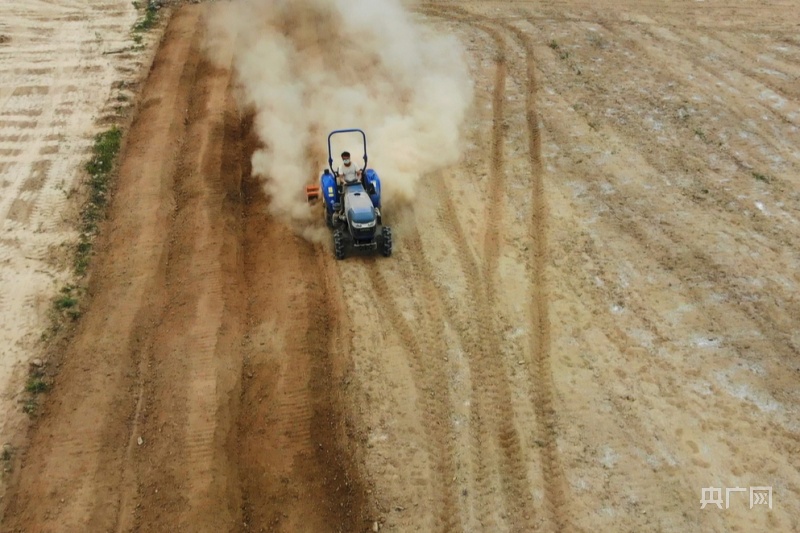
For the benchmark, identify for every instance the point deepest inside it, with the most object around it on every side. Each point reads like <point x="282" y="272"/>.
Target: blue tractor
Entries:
<point x="353" y="209"/>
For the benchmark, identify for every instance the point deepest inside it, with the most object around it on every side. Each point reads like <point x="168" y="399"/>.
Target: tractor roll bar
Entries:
<point x="351" y="130"/>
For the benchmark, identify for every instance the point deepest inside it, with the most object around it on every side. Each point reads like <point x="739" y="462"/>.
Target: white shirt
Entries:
<point x="348" y="174"/>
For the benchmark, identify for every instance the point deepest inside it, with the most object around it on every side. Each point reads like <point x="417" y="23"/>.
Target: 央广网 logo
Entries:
<point x="713" y="496"/>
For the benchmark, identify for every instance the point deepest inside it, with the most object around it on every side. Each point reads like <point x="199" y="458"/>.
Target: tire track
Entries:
<point x="540" y="372"/>
<point x="424" y="344"/>
<point x="496" y="189"/>
<point x="490" y="373"/>
<point x="491" y="406"/>
<point x="470" y="342"/>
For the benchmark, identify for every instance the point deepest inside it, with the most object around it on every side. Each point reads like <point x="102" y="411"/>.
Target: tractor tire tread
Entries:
<point x="386" y="241"/>
<point x="338" y="245"/>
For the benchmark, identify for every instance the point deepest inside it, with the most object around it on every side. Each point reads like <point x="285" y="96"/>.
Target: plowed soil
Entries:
<point x="587" y="321"/>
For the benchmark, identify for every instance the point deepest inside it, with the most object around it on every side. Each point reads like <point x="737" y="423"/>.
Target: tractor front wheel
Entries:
<point x="338" y="244"/>
<point x="386" y="241"/>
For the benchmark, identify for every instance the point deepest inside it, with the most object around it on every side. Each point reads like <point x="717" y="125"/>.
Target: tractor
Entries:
<point x="352" y="210"/>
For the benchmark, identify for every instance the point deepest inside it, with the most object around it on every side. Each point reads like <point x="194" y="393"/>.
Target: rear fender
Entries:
<point x="329" y="190"/>
<point x="373" y="187"/>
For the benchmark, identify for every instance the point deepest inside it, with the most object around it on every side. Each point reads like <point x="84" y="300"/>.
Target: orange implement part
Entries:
<point x="312" y="192"/>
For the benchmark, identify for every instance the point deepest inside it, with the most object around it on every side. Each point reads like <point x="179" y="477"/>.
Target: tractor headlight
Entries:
<point x="364" y="226"/>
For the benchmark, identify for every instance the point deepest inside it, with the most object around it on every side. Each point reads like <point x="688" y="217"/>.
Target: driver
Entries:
<point x="348" y="173"/>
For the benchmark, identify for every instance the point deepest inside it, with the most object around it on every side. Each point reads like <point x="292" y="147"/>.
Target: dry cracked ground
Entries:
<point x="587" y="321"/>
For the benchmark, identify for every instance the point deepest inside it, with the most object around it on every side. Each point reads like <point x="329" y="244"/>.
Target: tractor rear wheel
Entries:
<point x="386" y="241"/>
<point x="338" y="244"/>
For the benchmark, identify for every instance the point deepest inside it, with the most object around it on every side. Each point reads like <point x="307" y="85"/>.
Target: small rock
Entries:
<point x="376" y="527"/>
<point x="140" y="440"/>
<point x="38" y="363"/>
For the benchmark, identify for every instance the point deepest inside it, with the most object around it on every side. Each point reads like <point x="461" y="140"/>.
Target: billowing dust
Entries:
<point x="308" y="67"/>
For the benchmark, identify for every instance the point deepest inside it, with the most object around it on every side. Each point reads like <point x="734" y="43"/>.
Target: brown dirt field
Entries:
<point x="586" y="321"/>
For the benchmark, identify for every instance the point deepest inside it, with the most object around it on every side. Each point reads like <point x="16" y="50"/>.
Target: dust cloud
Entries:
<point x="307" y="67"/>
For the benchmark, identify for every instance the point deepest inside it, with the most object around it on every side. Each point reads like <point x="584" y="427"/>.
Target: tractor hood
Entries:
<point x="358" y="205"/>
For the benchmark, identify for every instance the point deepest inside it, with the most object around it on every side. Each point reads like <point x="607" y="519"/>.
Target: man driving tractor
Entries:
<point x="348" y="173"/>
